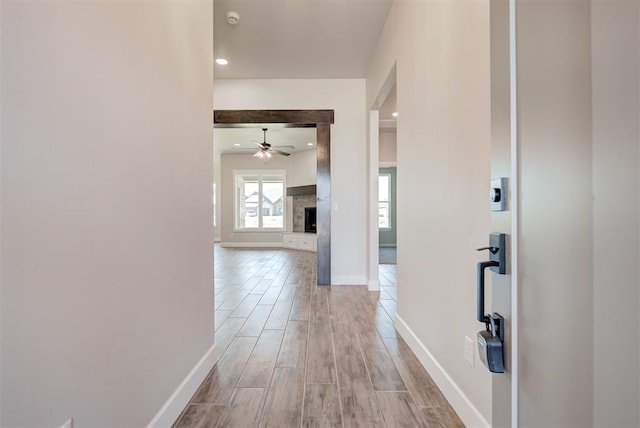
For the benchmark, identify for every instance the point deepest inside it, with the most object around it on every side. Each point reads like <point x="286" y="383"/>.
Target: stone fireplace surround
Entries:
<point x="299" y="204"/>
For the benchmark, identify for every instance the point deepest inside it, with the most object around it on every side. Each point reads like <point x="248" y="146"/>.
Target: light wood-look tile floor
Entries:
<point x="297" y="354"/>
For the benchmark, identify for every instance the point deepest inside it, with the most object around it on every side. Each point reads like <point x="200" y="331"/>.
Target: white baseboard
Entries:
<point x="373" y="285"/>
<point x="251" y="244"/>
<point x="469" y="414"/>
<point x="348" y="280"/>
<point x="172" y="408"/>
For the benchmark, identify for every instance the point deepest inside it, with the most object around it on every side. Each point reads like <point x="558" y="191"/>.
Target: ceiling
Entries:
<point x="226" y="138"/>
<point x="294" y="39"/>
<point x="297" y="39"/>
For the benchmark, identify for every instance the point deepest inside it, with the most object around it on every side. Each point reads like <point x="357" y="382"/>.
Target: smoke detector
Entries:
<point x="233" y="18"/>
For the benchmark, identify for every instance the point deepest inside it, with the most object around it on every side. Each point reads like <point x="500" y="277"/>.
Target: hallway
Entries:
<point x="301" y="355"/>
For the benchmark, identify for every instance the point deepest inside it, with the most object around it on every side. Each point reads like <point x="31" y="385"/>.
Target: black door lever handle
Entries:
<point x="480" y="282"/>
<point x="492" y="250"/>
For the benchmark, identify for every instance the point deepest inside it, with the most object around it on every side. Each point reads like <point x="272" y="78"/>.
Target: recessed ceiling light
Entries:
<point x="309" y="144"/>
<point x="394" y="114"/>
<point x="221" y="61"/>
<point x="236" y="144"/>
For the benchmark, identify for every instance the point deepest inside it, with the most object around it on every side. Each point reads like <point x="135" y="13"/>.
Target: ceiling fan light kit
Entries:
<point x="265" y="150"/>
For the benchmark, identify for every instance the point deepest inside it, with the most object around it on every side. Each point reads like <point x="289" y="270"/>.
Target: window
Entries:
<point x="259" y="200"/>
<point x="384" y="201"/>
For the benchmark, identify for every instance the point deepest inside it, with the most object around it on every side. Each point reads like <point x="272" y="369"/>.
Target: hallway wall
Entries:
<point x="441" y="53"/>
<point x="106" y="262"/>
<point x="348" y="137"/>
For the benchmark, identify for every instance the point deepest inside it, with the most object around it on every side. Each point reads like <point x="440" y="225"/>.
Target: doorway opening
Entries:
<point x="387" y="196"/>
<point x="387" y="177"/>
<point x="321" y="120"/>
<point x="382" y="195"/>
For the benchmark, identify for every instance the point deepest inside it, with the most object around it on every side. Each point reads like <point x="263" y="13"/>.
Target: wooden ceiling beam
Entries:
<point x="288" y="118"/>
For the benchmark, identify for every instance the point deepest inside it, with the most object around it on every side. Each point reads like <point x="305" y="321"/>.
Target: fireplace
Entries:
<point x="310" y="219"/>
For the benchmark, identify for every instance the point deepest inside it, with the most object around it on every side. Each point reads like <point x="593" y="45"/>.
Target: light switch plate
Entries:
<point x="468" y="350"/>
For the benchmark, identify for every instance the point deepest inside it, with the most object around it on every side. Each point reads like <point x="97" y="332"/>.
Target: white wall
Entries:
<point x="347" y="98"/>
<point x="615" y="37"/>
<point x="106" y="178"/>
<point x="387" y="146"/>
<point x="441" y="52"/>
<point x="304" y="166"/>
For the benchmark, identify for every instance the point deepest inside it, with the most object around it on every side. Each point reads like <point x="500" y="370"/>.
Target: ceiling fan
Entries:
<point x="265" y="149"/>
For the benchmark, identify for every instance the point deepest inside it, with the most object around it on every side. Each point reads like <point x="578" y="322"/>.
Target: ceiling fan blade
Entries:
<point x="257" y="154"/>
<point x="280" y="152"/>
<point x="289" y="146"/>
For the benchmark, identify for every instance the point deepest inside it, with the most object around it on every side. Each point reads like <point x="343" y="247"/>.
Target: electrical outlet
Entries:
<point x="469" y="350"/>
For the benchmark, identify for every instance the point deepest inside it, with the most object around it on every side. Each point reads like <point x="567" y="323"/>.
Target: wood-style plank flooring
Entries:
<point x="296" y="354"/>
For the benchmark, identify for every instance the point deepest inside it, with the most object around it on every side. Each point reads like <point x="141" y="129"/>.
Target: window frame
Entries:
<point x="260" y="173"/>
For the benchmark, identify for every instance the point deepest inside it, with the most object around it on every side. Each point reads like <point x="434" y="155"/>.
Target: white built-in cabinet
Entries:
<point x="299" y="241"/>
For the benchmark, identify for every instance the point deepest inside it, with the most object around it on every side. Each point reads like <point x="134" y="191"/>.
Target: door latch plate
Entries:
<point x="498" y="241"/>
